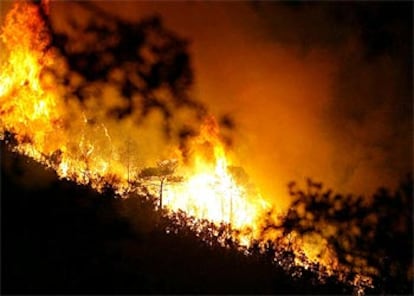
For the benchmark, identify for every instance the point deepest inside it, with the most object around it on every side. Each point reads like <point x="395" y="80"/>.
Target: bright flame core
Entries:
<point x="210" y="191"/>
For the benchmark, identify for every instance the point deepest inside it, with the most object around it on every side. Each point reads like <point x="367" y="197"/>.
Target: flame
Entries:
<point x="27" y="108"/>
<point x="33" y="109"/>
<point x="210" y="191"/>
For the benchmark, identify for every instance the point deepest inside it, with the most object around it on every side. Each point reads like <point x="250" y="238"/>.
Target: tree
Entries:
<point x="163" y="172"/>
<point x="369" y="236"/>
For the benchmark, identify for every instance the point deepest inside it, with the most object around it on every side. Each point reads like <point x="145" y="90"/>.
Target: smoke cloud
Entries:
<point x="305" y="89"/>
<point x="320" y="90"/>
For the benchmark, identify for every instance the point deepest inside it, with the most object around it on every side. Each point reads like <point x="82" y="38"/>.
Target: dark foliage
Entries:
<point x="66" y="238"/>
<point x="379" y="231"/>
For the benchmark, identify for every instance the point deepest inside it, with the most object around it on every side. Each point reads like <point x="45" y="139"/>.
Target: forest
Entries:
<point x="66" y="238"/>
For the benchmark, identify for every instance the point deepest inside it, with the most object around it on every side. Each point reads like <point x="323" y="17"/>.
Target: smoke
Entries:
<point x="304" y="89"/>
<point x="131" y="78"/>
<point x="313" y="89"/>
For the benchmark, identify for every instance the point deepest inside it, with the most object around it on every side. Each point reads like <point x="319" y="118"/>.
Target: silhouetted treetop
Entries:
<point x="369" y="236"/>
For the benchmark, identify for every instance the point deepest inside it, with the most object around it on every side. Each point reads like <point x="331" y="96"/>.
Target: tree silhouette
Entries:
<point x="372" y="237"/>
<point x="163" y="172"/>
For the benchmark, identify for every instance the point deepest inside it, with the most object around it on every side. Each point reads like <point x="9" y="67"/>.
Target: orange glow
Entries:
<point x="60" y="135"/>
<point x="209" y="191"/>
<point x="27" y="107"/>
<point x="33" y="111"/>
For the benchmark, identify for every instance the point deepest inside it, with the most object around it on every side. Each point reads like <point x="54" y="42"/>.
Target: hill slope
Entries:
<point x="66" y="238"/>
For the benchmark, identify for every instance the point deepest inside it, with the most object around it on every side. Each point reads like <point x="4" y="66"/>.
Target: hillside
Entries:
<point x="66" y="238"/>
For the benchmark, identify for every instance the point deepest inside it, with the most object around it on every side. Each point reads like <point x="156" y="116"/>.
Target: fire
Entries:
<point x="210" y="191"/>
<point x="33" y="110"/>
<point x="27" y="108"/>
<point x="80" y="147"/>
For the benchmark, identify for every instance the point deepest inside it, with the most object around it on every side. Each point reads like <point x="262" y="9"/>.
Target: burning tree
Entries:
<point x="66" y="94"/>
<point x="148" y="68"/>
<point x="163" y="172"/>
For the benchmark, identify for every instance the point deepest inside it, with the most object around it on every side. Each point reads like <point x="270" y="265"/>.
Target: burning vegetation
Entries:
<point x="59" y="129"/>
<point x="103" y="103"/>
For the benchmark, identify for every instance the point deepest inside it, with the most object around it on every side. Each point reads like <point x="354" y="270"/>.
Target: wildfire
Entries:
<point x="26" y="107"/>
<point x="210" y="191"/>
<point x="207" y="185"/>
<point x="33" y="110"/>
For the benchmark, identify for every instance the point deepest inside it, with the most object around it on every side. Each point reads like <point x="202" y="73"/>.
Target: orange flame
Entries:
<point x="27" y="107"/>
<point x="32" y="108"/>
<point x="210" y="191"/>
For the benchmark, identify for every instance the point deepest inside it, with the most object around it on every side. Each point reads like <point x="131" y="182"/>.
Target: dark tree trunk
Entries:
<point x="161" y="190"/>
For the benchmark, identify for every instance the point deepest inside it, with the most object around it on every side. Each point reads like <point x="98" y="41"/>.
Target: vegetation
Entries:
<point x="370" y="236"/>
<point x="66" y="238"/>
<point x="163" y="172"/>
